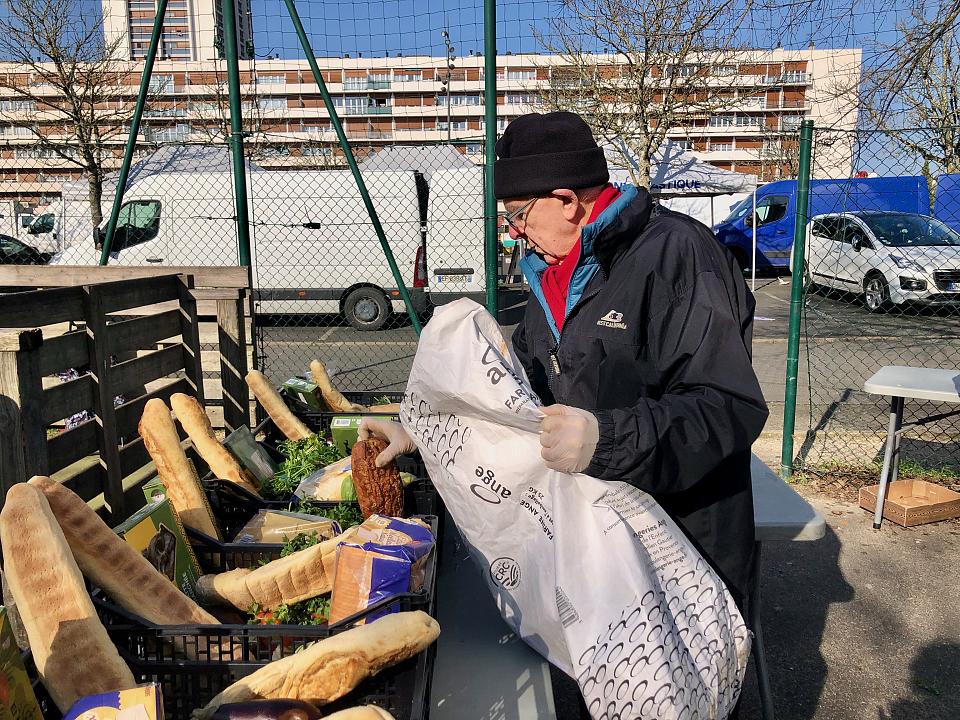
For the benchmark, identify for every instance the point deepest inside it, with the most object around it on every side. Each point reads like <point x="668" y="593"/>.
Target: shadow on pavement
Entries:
<point x="934" y="674"/>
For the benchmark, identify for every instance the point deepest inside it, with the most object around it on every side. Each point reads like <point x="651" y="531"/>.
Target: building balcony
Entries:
<point x="367" y="110"/>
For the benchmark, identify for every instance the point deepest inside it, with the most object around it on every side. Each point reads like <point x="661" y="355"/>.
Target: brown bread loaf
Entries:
<point x="71" y="649"/>
<point x="196" y="424"/>
<point x="332" y="667"/>
<point x="177" y="473"/>
<point x="276" y="408"/>
<point x="379" y="490"/>
<point x="112" y="564"/>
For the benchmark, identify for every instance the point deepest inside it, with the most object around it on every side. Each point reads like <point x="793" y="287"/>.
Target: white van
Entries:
<point x="313" y="248"/>
<point x="455" y="254"/>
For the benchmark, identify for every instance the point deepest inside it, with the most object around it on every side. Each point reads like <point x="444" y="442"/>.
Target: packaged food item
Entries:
<point x="385" y="558"/>
<point x="278" y="526"/>
<point x="305" y="392"/>
<point x="17" y="701"/>
<point x="335" y="482"/>
<point x="144" y="702"/>
<point x="155" y="530"/>
<point x="251" y="456"/>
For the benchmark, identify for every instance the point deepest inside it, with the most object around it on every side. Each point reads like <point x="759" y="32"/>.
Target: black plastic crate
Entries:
<point x="159" y="654"/>
<point x="233" y="507"/>
<point x="319" y="420"/>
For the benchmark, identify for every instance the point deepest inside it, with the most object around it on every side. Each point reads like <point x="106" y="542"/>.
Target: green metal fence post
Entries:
<point x="796" y="298"/>
<point x="490" y="127"/>
<point x="352" y="162"/>
<point x="134" y="131"/>
<point x="236" y="130"/>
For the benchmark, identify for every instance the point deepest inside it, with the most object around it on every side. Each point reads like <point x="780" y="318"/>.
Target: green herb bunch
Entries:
<point x="301" y="458"/>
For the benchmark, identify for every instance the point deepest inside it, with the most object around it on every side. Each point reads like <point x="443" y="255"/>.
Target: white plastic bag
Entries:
<point x="592" y="574"/>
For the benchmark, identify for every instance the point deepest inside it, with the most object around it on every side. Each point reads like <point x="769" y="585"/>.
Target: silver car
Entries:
<point x="890" y="258"/>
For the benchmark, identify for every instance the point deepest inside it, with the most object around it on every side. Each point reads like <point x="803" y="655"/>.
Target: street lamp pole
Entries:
<point x="446" y="81"/>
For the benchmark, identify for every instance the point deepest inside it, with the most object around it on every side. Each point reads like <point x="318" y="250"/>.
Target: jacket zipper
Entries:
<point x="555" y="352"/>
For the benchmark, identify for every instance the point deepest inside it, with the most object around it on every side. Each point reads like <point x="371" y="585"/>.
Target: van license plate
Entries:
<point x="952" y="286"/>
<point x="454" y="279"/>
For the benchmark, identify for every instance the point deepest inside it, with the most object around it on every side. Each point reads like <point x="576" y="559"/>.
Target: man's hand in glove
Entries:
<point x="400" y="443"/>
<point x="568" y="438"/>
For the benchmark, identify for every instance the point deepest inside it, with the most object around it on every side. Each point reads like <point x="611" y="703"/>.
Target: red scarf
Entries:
<point x="555" y="280"/>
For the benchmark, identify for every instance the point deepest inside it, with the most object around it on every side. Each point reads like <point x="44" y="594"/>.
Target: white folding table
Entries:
<point x="900" y="382"/>
<point x="484" y="671"/>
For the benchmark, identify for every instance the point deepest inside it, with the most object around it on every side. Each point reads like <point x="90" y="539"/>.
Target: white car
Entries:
<point x="887" y="257"/>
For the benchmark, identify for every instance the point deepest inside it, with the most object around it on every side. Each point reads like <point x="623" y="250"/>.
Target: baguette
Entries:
<point x="332" y="667"/>
<point x="333" y="397"/>
<point x="111" y="563"/>
<point x="299" y="576"/>
<point x="73" y="654"/>
<point x="365" y="712"/>
<point x="197" y="425"/>
<point x="177" y="473"/>
<point x="379" y="490"/>
<point x="276" y="408"/>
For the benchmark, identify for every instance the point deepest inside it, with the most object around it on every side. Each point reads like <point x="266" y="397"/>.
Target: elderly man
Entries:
<point x="637" y="339"/>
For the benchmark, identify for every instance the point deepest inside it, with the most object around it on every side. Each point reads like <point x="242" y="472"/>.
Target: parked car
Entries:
<point x="16" y="252"/>
<point x="890" y="258"/>
<point x="776" y="207"/>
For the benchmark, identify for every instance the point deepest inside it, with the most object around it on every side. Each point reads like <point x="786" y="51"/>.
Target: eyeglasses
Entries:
<point x="520" y="214"/>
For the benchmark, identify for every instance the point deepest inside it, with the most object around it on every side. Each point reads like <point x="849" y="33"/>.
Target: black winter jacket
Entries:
<point x="657" y="344"/>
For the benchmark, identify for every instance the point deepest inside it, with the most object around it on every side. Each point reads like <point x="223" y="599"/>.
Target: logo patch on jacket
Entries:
<point x="613" y="319"/>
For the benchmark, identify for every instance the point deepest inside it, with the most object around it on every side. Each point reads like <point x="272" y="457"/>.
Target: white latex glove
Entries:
<point x="400" y="443"/>
<point x="568" y="438"/>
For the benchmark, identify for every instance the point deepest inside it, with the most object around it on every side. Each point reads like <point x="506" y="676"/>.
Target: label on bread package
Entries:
<point x="143" y="702"/>
<point x="279" y="526"/>
<point x="156" y="531"/>
<point x="17" y="700"/>
<point x="386" y="559"/>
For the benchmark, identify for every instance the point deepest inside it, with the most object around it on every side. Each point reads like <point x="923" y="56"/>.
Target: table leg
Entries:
<point x="759" y="654"/>
<point x="896" y="419"/>
<point x="895" y="472"/>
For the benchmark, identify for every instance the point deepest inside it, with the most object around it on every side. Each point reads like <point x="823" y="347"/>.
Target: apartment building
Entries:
<point x="192" y="29"/>
<point x="401" y="100"/>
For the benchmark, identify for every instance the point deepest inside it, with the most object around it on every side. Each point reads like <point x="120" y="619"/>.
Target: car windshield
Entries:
<point x="905" y="230"/>
<point x="739" y="210"/>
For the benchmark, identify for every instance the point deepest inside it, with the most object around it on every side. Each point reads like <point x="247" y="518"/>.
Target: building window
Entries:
<point x="754" y="101"/>
<point x="724" y="70"/>
<point x="317" y="152"/>
<point x="454" y="125"/>
<point x="272" y="103"/>
<point x="460" y="100"/>
<point x="518" y="75"/>
<point x="720" y="147"/>
<point x="407" y="75"/>
<point x="160" y="83"/>
<point x="749" y="121"/>
<point x="790" y="123"/>
<point x="271" y="79"/>
<point x="316" y="129"/>
<point x="794" y="76"/>
<point x="175" y="133"/>
<point x="474" y="148"/>
<point x="721" y="121"/>
<point x="685" y="145"/>
<point x="522" y="99"/>
<point x="18" y="105"/>
<point x="276" y="151"/>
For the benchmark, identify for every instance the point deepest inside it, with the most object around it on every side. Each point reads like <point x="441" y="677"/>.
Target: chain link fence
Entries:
<point x="882" y="287"/>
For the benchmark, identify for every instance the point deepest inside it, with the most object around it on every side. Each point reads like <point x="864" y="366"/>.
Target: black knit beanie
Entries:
<point x="540" y="153"/>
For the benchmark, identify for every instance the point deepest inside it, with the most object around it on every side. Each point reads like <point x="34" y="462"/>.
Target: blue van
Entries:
<point x="777" y="205"/>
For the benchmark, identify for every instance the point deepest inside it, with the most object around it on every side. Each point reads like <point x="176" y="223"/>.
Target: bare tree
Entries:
<point x="923" y="116"/>
<point x="659" y="68"/>
<point x="68" y="84"/>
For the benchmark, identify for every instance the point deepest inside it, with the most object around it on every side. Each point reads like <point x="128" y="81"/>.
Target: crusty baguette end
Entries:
<point x="276" y="408"/>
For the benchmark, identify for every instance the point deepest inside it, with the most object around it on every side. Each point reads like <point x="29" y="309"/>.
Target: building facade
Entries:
<point x="192" y="29"/>
<point x="401" y="100"/>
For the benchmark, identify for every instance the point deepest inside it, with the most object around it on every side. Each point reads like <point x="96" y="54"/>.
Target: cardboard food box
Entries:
<point x="913" y="502"/>
<point x="344" y="428"/>
<point x="251" y="456"/>
<point x="155" y="530"/>
<point x="144" y="702"/>
<point x="17" y="701"/>
<point x="305" y="392"/>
